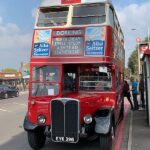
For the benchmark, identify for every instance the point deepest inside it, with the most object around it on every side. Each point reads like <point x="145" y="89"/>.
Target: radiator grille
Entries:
<point x="65" y="120"/>
<point x="57" y="117"/>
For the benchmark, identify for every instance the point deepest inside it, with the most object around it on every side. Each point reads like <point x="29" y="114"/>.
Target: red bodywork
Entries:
<point x="89" y="101"/>
<point x="70" y="1"/>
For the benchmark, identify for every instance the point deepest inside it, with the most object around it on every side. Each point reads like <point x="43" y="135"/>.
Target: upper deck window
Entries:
<point x="52" y="16"/>
<point x="111" y="17"/>
<point x="88" y="14"/>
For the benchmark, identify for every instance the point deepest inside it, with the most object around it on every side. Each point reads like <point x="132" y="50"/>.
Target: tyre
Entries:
<point x="36" y="139"/>
<point x="17" y="94"/>
<point x="6" y="96"/>
<point x="106" y="141"/>
<point x="122" y="112"/>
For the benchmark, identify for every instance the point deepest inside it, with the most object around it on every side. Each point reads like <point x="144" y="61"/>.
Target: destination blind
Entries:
<point x="67" y="46"/>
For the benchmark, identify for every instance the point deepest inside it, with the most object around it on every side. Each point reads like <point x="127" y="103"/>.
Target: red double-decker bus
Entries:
<point x="77" y="73"/>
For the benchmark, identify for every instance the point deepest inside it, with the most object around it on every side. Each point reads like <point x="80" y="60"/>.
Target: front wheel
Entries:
<point x="36" y="139"/>
<point x="6" y="96"/>
<point x="106" y="141"/>
<point x="122" y="111"/>
<point x="17" y="94"/>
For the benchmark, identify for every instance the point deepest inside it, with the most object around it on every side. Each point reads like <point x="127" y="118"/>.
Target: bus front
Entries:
<point x="74" y="73"/>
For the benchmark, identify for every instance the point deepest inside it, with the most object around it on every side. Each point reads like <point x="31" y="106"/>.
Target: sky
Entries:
<point x="17" y="23"/>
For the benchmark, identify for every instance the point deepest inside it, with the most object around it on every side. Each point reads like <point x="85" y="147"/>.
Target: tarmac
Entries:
<point x="23" y="92"/>
<point x="136" y="132"/>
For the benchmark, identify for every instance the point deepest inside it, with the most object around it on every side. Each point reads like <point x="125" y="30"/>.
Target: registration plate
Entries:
<point x="64" y="139"/>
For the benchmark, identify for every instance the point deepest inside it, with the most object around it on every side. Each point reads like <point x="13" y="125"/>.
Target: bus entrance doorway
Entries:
<point x="70" y="78"/>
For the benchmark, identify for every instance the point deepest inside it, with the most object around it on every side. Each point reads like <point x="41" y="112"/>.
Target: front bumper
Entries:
<point x="28" y="126"/>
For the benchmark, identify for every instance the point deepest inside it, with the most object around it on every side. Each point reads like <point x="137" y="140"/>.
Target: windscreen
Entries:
<point x="52" y="16"/>
<point x="45" y="81"/>
<point x="89" y="14"/>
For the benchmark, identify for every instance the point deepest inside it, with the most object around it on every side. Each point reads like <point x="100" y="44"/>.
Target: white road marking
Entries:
<point x="7" y="104"/>
<point x="3" y="107"/>
<point x="130" y="133"/>
<point x="4" y="110"/>
<point x="25" y="105"/>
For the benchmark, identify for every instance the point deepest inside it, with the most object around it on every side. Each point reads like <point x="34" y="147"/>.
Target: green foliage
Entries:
<point x="133" y="63"/>
<point x="146" y="39"/>
<point x="9" y="70"/>
<point x="127" y="73"/>
<point x="133" y="60"/>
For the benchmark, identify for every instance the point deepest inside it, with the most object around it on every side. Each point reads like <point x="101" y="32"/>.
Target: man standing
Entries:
<point x="141" y="89"/>
<point x="134" y="93"/>
<point x="126" y="93"/>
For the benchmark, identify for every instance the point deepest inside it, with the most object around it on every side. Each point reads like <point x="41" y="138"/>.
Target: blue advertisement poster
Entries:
<point x="95" y="43"/>
<point x="41" y="43"/>
<point x="41" y="49"/>
<point x="95" y="47"/>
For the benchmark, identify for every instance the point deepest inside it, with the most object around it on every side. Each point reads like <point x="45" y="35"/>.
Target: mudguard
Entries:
<point x="103" y="120"/>
<point x="28" y="125"/>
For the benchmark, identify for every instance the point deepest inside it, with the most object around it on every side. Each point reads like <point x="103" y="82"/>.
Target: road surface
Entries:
<point x="13" y="136"/>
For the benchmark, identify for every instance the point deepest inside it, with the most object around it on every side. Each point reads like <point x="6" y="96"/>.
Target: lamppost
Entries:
<point x="148" y="37"/>
<point x="138" y="40"/>
<point x="148" y="34"/>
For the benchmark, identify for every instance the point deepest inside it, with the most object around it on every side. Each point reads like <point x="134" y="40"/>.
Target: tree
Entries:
<point x="9" y="70"/>
<point x="133" y="62"/>
<point x="146" y="40"/>
<point x="127" y="73"/>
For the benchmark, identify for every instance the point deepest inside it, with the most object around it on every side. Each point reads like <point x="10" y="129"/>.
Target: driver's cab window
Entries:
<point x="45" y="81"/>
<point x="45" y="73"/>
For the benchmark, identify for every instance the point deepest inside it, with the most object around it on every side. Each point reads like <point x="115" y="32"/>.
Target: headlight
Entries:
<point x="87" y="119"/>
<point x="41" y="119"/>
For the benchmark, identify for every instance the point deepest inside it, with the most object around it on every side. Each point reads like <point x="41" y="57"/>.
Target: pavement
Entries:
<point x="136" y="134"/>
<point x="140" y="131"/>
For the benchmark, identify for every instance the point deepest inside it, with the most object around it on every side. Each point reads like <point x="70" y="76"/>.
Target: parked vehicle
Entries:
<point x="7" y="91"/>
<point x="77" y="73"/>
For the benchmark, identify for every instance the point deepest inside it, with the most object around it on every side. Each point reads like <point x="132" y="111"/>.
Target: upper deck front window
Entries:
<point x="89" y="14"/>
<point x="52" y="16"/>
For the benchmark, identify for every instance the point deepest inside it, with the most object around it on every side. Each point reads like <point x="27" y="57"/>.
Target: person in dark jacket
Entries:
<point x="126" y="92"/>
<point x="68" y="83"/>
<point x="141" y="89"/>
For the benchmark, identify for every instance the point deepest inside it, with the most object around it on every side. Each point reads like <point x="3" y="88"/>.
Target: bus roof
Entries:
<point x="46" y="3"/>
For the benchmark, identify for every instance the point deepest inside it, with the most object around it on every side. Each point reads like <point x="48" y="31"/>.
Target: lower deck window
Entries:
<point x="95" y="80"/>
<point x="95" y="83"/>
